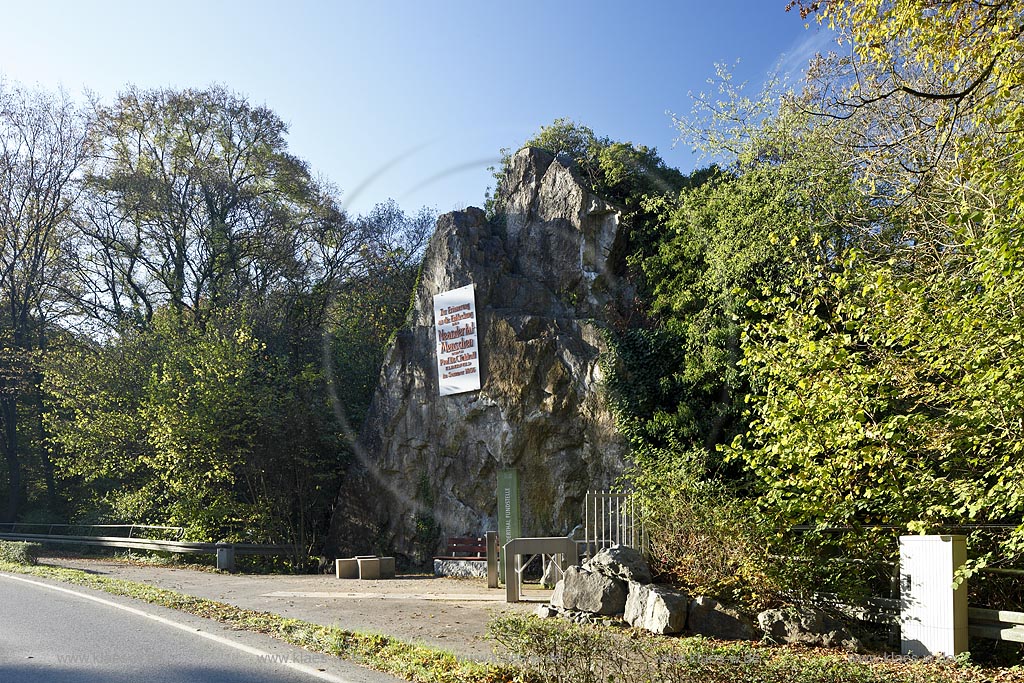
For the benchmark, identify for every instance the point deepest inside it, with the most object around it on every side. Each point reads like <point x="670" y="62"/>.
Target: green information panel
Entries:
<point x="509" y="521"/>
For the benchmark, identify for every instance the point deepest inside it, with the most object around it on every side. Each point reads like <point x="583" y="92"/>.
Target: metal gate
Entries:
<point x="610" y="519"/>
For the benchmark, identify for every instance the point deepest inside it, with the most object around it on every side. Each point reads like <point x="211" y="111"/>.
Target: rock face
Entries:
<point x="585" y="591"/>
<point x="709" y="617"/>
<point x="545" y="277"/>
<point x="807" y="626"/>
<point x="656" y="608"/>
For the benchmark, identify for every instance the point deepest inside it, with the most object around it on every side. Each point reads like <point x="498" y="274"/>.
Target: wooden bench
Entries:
<point x="465" y="548"/>
<point x="466" y="557"/>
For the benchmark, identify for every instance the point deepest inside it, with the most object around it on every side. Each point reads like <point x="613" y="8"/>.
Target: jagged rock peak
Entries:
<point x="545" y="281"/>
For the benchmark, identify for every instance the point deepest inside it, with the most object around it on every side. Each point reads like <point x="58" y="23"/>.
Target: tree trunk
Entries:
<point x="9" y="414"/>
<point x="52" y="501"/>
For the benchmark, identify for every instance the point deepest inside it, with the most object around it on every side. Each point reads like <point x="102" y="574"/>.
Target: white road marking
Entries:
<point x="256" y="652"/>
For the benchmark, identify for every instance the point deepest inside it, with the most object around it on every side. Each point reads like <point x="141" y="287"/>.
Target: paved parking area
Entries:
<point x="440" y="612"/>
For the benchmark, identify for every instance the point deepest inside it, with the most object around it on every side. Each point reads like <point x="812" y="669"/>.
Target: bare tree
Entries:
<point x="193" y="202"/>
<point x="43" y="144"/>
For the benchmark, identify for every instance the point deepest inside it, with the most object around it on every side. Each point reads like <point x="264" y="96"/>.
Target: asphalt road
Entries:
<point x="60" y="634"/>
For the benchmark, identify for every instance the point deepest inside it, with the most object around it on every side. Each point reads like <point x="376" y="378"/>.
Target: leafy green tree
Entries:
<point x="195" y="203"/>
<point x="211" y="267"/>
<point x="176" y="291"/>
<point x="97" y="432"/>
<point x="197" y="426"/>
<point x="371" y="306"/>
<point x="886" y="375"/>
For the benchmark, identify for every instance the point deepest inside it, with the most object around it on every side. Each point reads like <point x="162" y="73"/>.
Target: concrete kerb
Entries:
<point x="369" y="568"/>
<point x="346" y="568"/>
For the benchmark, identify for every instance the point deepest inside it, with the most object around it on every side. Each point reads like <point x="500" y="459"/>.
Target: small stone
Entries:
<point x="545" y="611"/>
<point x="552" y="575"/>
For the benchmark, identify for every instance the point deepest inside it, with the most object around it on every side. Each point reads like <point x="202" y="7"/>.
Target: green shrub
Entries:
<point x="701" y="536"/>
<point x="18" y="552"/>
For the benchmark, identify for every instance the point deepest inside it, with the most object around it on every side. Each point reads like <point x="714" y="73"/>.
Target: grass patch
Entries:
<point x="380" y="652"/>
<point x="549" y="650"/>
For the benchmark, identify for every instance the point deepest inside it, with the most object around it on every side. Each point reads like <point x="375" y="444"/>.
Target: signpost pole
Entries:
<point x="509" y="520"/>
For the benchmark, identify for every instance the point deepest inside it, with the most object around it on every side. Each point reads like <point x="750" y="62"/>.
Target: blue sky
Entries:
<point x="413" y="100"/>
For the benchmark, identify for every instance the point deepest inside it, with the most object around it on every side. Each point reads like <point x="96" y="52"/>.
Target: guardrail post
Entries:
<point x="492" y="558"/>
<point x="933" y="614"/>
<point x="226" y="557"/>
<point x="508" y="559"/>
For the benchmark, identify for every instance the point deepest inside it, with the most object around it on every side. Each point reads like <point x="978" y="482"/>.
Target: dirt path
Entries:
<point x="440" y="612"/>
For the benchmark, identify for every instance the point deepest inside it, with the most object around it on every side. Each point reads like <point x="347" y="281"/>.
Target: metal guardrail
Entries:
<point x="225" y="552"/>
<point x="13" y="527"/>
<point x="996" y="624"/>
<point x="981" y="623"/>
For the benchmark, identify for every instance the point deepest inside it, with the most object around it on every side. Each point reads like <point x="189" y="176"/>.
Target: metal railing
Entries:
<point x="610" y="519"/>
<point x="996" y="624"/>
<point x="225" y="552"/>
<point x="13" y="527"/>
<point x="982" y="623"/>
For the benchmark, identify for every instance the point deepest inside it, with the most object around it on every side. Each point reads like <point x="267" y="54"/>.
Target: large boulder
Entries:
<point x="621" y="562"/>
<point x="807" y="626"/>
<point x="584" y="591"/>
<point x="711" y="618"/>
<point x="657" y="609"/>
<point x="546" y="275"/>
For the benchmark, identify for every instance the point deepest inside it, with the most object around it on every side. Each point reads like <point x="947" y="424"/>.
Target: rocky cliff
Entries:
<point x="545" y="286"/>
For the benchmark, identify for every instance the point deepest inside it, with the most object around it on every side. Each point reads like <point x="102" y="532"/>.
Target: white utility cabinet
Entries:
<point x="933" y="615"/>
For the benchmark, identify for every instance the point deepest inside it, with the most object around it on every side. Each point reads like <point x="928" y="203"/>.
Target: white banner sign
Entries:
<point x="458" y="355"/>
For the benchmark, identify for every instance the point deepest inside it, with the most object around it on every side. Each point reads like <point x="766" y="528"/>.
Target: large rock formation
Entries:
<point x="546" y="284"/>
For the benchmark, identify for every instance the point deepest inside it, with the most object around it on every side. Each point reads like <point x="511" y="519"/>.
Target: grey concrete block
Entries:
<point x="346" y="568"/>
<point x="387" y="567"/>
<point x="369" y="568"/>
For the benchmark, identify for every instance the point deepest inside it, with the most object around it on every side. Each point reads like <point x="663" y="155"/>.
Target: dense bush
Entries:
<point x="18" y="552"/>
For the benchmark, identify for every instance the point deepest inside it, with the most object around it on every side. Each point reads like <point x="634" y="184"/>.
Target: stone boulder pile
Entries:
<point x="616" y="586"/>
<point x="617" y="582"/>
